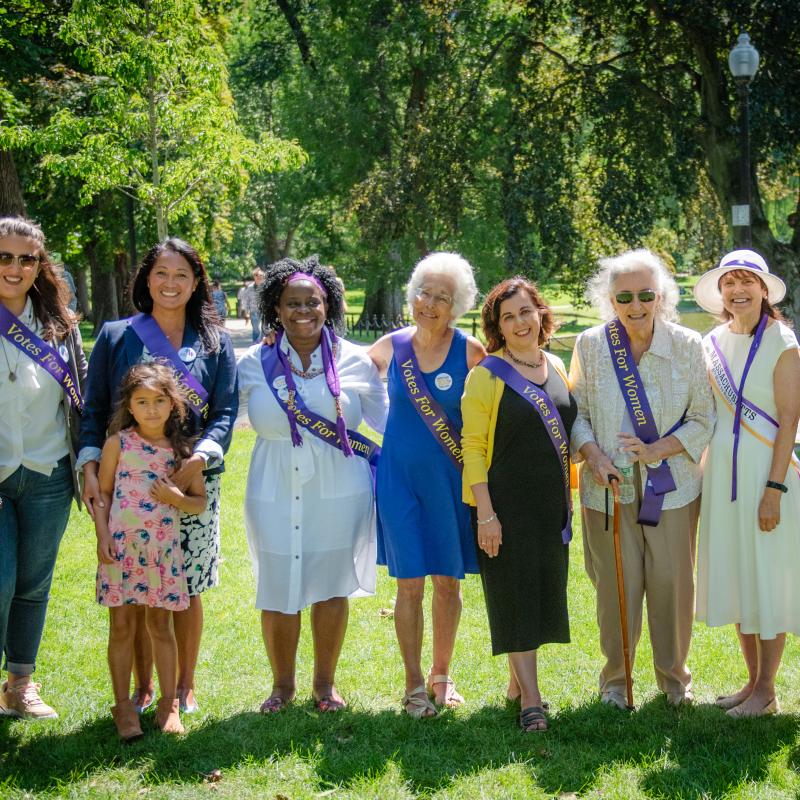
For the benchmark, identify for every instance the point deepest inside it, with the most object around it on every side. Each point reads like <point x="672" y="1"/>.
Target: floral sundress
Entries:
<point x="149" y="566"/>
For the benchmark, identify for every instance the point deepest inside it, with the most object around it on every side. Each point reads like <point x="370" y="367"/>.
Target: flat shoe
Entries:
<point x="727" y="701"/>
<point x="530" y="716"/>
<point x="773" y="707"/>
<point x="187" y="707"/>
<point x="136" y="697"/>
<point x="274" y="704"/>
<point x="417" y="705"/>
<point x="613" y="698"/>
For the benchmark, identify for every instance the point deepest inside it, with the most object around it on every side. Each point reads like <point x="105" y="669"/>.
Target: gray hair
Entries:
<point x="454" y="266"/>
<point x="600" y="286"/>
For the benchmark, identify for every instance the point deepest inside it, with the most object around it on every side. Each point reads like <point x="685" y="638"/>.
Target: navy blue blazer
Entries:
<point x="118" y="348"/>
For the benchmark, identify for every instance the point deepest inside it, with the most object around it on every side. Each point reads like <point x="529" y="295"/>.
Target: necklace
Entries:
<point x="312" y="372"/>
<point x="524" y="363"/>
<point x="12" y="373"/>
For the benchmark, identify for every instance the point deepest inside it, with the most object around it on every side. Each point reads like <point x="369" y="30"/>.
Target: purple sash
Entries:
<point x="318" y="426"/>
<point x="429" y="410"/>
<point x="41" y="353"/>
<point x="155" y="340"/>
<point x="659" y="479"/>
<point x="540" y="401"/>
<point x="740" y="403"/>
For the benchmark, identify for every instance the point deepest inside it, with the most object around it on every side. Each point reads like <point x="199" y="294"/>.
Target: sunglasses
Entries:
<point x="27" y="262"/>
<point x="645" y="296"/>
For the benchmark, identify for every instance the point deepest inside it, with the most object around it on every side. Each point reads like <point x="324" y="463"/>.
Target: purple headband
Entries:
<point x="305" y="276"/>
<point x="740" y="262"/>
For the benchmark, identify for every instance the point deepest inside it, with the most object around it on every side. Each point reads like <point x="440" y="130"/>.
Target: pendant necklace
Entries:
<point x="311" y="372"/>
<point x="524" y="363"/>
<point x="12" y="373"/>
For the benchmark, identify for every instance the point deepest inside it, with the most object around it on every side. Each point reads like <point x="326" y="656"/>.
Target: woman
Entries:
<point x="177" y="322"/>
<point x="309" y="505"/>
<point x="643" y="397"/>
<point x="220" y="299"/>
<point x="749" y="550"/>
<point x="42" y="371"/>
<point x="518" y="413"/>
<point x="424" y="527"/>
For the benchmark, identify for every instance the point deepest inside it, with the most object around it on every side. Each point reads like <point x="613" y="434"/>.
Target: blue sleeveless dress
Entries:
<point x="423" y="526"/>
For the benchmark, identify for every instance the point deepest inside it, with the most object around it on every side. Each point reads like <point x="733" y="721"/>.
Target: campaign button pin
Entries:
<point x="187" y="354"/>
<point x="443" y="381"/>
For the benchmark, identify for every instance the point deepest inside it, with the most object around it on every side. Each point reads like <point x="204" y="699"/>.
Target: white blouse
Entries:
<point x="309" y="510"/>
<point x="33" y="432"/>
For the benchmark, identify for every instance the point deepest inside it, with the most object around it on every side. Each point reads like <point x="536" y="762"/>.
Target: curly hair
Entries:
<point x="490" y="313"/>
<point x="600" y="286"/>
<point x="50" y="296"/>
<point x="158" y="377"/>
<point x="275" y="277"/>
<point x="453" y="266"/>
<point x="200" y="310"/>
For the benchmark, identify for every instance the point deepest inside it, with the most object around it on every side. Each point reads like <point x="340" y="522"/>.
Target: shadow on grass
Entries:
<point x="687" y="753"/>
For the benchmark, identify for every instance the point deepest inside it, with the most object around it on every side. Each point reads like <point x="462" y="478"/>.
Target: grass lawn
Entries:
<point x="372" y="750"/>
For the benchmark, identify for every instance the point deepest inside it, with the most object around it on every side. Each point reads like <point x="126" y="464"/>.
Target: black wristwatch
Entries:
<point x="781" y="487"/>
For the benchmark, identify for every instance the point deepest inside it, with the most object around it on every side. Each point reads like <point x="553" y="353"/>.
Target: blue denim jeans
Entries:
<point x="255" y="321"/>
<point x="33" y="516"/>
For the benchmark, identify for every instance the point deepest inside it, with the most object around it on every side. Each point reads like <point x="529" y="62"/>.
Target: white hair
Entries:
<point x="600" y="287"/>
<point x="453" y="266"/>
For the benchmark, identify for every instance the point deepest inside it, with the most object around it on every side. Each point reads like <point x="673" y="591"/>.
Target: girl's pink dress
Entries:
<point x="149" y="566"/>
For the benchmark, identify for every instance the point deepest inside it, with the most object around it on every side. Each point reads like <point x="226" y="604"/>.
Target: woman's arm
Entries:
<point x="476" y="411"/>
<point x="786" y="381"/>
<point x="476" y="352"/>
<point x="105" y="488"/>
<point x="191" y="501"/>
<point x="381" y="354"/>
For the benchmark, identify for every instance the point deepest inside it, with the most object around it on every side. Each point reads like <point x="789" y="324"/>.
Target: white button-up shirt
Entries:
<point x="674" y="376"/>
<point x="33" y="432"/>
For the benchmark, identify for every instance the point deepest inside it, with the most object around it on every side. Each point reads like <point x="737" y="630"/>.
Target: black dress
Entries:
<point x="525" y="585"/>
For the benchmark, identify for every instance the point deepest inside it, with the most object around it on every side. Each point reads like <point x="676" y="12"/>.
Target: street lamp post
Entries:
<point x="743" y="63"/>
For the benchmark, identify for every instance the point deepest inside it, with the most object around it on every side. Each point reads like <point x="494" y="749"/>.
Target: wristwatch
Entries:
<point x="655" y="464"/>
<point x="781" y="487"/>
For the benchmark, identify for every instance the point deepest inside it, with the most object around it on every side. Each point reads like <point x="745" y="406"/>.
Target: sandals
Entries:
<point x="143" y="698"/>
<point x="530" y="719"/>
<point x="417" y="705"/>
<point x="329" y="704"/>
<point x="772" y="707"/>
<point x="452" y="699"/>
<point x="188" y="705"/>
<point x="274" y="704"/>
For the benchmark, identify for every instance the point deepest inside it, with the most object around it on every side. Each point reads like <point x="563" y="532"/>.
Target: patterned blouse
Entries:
<point x="674" y="375"/>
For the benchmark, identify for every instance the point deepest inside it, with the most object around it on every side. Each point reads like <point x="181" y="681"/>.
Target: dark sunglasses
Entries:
<point x="26" y="262"/>
<point x="646" y="296"/>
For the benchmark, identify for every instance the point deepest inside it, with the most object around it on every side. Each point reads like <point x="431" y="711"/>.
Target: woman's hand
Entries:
<point x="637" y="449"/>
<point x="600" y="465"/>
<point x="769" y="510"/>
<point x="490" y="534"/>
<point x="165" y="491"/>
<point x="269" y="338"/>
<point x="91" y="488"/>
<point x="106" y="552"/>
<point x="190" y="468"/>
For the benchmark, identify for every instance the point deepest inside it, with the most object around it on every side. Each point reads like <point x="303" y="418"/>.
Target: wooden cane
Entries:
<point x="623" y="608"/>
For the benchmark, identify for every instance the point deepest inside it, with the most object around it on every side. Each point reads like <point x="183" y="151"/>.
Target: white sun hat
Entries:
<point x="706" y="290"/>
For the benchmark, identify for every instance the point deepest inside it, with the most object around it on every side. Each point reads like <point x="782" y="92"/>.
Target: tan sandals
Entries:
<point x="452" y="699"/>
<point x="417" y="705"/>
<point x="126" y="718"/>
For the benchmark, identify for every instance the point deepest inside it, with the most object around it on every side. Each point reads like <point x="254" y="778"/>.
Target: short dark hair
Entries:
<point x="490" y="313"/>
<point x="50" y="296"/>
<point x="200" y="310"/>
<point x="275" y="279"/>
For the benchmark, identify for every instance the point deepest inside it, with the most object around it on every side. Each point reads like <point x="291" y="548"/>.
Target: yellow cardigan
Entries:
<point x="479" y="405"/>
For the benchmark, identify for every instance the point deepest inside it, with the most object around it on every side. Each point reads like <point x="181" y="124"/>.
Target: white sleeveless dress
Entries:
<point x="743" y="574"/>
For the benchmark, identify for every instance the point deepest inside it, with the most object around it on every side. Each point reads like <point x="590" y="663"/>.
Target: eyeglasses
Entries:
<point x="645" y="296"/>
<point x="26" y="262"/>
<point x="424" y="296"/>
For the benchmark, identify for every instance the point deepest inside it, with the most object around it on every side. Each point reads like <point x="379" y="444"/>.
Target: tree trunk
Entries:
<point x="121" y="282"/>
<point x="82" y="290"/>
<point x="104" y="290"/>
<point x="12" y="203"/>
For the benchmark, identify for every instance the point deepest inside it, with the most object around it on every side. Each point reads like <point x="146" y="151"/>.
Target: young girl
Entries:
<point x="138" y="544"/>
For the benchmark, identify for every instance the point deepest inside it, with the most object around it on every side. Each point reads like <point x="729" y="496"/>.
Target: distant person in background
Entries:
<point x="219" y="299"/>
<point x="251" y="302"/>
<point x="240" y="309"/>
<point x="66" y="276"/>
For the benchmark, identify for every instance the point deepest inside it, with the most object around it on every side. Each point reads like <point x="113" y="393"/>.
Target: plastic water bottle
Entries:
<point x="624" y="464"/>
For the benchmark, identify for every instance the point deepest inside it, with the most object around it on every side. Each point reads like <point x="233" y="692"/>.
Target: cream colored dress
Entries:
<point x="743" y="574"/>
